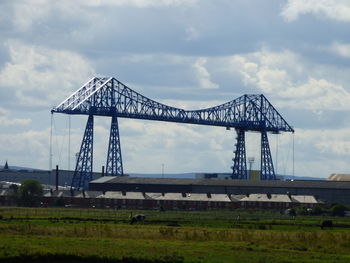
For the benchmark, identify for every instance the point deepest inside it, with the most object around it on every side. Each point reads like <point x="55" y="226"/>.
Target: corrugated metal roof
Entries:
<point x="60" y="193"/>
<point x="307" y="199"/>
<point x="205" y="182"/>
<point x="104" y="179"/>
<point x="166" y="196"/>
<point x="4" y="192"/>
<point x="267" y="198"/>
<point x="237" y="198"/>
<point x="280" y="198"/>
<point x="87" y="194"/>
<point x="122" y="195"/>
<point x="339" y="177"/>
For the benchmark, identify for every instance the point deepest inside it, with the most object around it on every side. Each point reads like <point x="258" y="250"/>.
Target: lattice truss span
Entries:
<point x="109" y="97"/>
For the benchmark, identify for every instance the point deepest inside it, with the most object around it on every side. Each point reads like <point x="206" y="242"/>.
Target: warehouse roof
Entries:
<point x="205" y="182"/>
<point x="123" y="195"/>
<point x="267" y="198"/>
<point x="307" y="199"/>
<point x="339" y="177"/>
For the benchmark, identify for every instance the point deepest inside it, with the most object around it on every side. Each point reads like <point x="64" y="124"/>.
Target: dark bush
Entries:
<point x="338" y="210"/>
<point x="261" y="227"/>
<point x="292" y="212"/>
<point x="302" y="210"/>
<point x="59" y="201"/>
<point x="30" y="193"/>
<point x="317" y="210"/>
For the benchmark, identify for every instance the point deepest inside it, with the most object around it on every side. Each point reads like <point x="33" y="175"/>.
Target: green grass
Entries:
<point x="74" y="235"/>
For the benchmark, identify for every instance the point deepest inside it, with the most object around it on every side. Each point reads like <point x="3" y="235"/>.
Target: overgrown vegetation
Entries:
<point x="96" y="235"/>
<point x="30" y="193"/>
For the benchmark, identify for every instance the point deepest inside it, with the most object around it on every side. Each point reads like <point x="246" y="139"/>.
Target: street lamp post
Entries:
<point x="251" y="161"/>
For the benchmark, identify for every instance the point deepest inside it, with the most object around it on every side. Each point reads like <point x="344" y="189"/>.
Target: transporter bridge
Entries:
<point x="109" y="97"/>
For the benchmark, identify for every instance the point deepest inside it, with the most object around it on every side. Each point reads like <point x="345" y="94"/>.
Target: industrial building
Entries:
<point x="336" y="189"/>
<point x="324" y="191"/>
<point x="162" y="201"/>
<point x="43" y="176"/>
<point x="339" y="177"/>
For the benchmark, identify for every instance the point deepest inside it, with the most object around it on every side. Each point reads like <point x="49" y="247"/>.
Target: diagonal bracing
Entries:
<point x="239" y="169"/>
<point x="114" y="165"/>
<point x="83" y="170"/>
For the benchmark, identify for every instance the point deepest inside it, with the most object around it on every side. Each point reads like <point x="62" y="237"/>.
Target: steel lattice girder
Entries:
<point x="114" y="166"/>
<point x="83" y="170"/>
<point x="109" y="97"/>
<point x="267" y="170"/>
<point x="239" y="169"/>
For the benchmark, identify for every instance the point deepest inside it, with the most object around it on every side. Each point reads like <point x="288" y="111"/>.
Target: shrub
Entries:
<point x="302" y="210"/>
<point x="338" y="210"/>
<point x="60" y="201"/>
<point x="317" y="210"/>
<point x="30" y="193"/>
<point x="292" y="212"/>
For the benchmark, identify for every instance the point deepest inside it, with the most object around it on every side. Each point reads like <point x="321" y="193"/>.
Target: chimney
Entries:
<point x="56" y="178"/>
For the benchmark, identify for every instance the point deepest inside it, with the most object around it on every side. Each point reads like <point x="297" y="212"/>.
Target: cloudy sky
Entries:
<point x="186" y="53"/>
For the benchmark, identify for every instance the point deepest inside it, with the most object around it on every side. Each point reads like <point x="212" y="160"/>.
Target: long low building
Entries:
<point x="325" y="191"/>
<point x="169" y="201"/>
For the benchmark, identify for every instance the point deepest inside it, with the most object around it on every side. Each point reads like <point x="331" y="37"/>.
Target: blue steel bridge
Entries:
<point x="111" y="98"/>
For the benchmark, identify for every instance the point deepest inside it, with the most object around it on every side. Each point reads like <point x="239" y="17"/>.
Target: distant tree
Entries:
<point x="292" y="212"/>
<point x="317" y="210"/>
<point x="302" y="210"/>
<point x="59" y="201"/>
<point x="30" y="193"/>
<point x="338" y="210"/>
<point x="14" y="188"/>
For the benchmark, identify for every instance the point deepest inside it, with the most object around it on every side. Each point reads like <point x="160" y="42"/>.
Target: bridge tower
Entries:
<point x="267" y="170"/>
<point x="83" y="169"/>
<point x="239" y="168"/>
<point x="114" y="165"/>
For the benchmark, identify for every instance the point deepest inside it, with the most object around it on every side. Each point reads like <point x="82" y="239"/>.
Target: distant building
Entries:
<point x="43" y="176"/>
<point x="153" y="200"/>
<point x="276" y="201"/>
<point x="213" y="176"/>
<point x="327" y="191"/>
<point x="339" y="177"/>
<point x="252" y="175"/>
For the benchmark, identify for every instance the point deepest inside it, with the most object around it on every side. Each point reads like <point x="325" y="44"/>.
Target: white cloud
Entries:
<point x="326" y="141"/>
<point x="191" y="33"/>
<point x="333" y="9"/>
<point x="183" y="148"/>
<point x="203" y="75"/>
<point x="289" y="78"/>
<point x="321" y="152"/>
<point x="193" y="105"/>
<point x="316" y="94"/>
<point x="340" y="49"/>
<point x="40" y="75"/>
<point x="5" y="122"/>
<point x="154" y="58"/>
<point x="27" y="145"/>
<point x="27" y="13"/>
<point x="137" y="3"/>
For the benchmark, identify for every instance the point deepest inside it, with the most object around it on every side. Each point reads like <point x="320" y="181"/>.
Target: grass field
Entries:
<point x="96" y="235"/>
